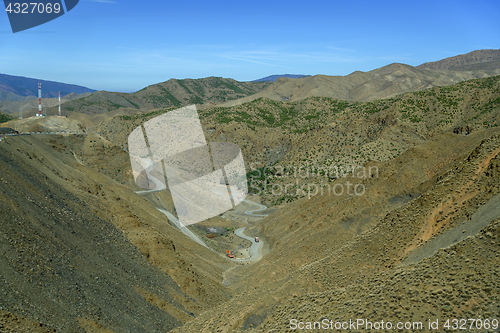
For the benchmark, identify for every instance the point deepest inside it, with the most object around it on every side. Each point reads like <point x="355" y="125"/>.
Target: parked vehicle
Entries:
<point x="257" y="239"/>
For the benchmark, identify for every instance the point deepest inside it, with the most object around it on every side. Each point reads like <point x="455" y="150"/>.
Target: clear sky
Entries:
<point x="124" y="45"/>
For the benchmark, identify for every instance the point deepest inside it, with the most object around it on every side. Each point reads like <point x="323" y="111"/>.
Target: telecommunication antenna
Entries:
<point x="39" y="99"/>
<point x="59" y="104"/>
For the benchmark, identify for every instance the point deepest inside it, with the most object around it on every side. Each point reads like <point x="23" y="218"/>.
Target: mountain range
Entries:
<point x="464" y="61"/>
<point x="384" y="82"/>
<point x="277" y="76"/>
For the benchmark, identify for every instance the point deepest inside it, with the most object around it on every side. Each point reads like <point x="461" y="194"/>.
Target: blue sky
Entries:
<point x="123" y="45"/>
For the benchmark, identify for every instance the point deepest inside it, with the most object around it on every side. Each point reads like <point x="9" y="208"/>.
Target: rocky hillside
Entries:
<point x="82" y="252"/>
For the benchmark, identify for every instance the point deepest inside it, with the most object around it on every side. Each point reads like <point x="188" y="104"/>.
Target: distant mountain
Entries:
<point x="207" y="91"/>
<point x="10" y="96"/>
<point x="455" y="63"/>
<point x="384" y="82"/>
<point x="25" y="86"/>
<point x="277" y="76"/>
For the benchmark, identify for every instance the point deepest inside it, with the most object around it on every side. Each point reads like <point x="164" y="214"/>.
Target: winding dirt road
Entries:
<point x="255" y="249"/>
<point x="260" y="209"/>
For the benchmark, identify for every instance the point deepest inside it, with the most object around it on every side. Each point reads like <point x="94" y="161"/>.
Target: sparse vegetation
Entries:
<point x="5" y="117"/>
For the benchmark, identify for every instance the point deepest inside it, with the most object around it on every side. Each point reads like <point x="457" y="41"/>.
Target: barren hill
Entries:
<point x="459" y="61"/>
<point x="332" y="248"/>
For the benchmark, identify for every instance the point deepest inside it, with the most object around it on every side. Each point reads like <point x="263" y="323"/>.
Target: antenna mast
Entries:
<point x="39" y="99"/>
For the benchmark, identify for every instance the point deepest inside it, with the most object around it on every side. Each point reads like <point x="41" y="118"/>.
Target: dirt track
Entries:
<point x="255" y="251"/>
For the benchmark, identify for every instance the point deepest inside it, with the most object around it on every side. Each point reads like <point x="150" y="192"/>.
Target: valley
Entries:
<point x="373" y="196"/>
